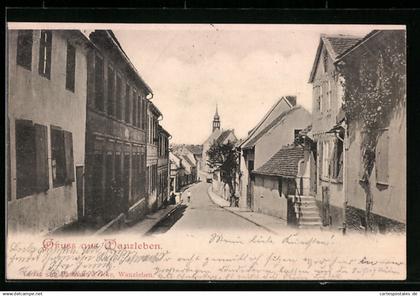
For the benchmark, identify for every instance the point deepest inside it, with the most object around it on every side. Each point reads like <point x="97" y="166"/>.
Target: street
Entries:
<point x="202" y="214"/>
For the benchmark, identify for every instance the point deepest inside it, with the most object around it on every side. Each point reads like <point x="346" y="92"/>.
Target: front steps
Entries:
<point x="308" y="212"/>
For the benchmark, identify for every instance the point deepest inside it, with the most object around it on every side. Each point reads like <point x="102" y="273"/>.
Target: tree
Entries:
<point x="374" y="86"/>
<point x="225" y="159"/>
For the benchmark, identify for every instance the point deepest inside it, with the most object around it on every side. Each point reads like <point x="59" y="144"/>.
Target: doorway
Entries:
<point x="80" y="192"/>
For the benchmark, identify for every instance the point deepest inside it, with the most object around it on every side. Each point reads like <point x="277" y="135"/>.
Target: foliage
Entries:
<point x="374" y="84"/>
<point x="225" y="159"/>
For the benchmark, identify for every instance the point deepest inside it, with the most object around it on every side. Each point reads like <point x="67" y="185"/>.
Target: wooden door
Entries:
<point x="80" y="192"/>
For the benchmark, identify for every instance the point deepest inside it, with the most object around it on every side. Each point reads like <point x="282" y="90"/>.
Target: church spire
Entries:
<point x="216" y="120"/>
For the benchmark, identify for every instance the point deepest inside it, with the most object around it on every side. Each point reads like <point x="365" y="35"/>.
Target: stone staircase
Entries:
<point x="308" y="212"/>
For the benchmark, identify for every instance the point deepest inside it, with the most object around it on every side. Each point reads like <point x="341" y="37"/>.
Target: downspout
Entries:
<point x="344" y="140"/>
<point x="344" y="179"/>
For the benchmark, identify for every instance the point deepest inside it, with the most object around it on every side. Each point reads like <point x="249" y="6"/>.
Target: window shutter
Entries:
<point x="49" y="45"/>
<point x="340" y="167"/>
<point x="68" y="152"/>
<point x="41" y="54"/>
<point x="25" y="158"/>
<point x="41" y="158"/>
<point x="333" y="162"/>
<point x="382" y="167"/>
<point x="321" y="158"/>
<point x="361" y="165"/>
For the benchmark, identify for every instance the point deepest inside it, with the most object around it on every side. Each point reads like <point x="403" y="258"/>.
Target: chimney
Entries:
<point x="292" y="100"/>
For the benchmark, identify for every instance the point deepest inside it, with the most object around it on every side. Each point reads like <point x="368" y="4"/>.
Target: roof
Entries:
<point x="283" y="164"/>
<point x="363" y="40"/>
<point x="282" y="115"/>
<point x="154" y="109"/>
<point x="336" y="46"/>
<point x="190" y="162"/>
<point x="195" y="149"/>
<point x="223" y="136"/>
<point x="162" y="130"/>
<point x="252" y="131"/>
<point x="110" y="35"/>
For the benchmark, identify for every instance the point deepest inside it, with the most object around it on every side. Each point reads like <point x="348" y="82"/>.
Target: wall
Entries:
<point x="46" y="102"/>
<point x="280" y="135"/>
<point x="109" y="135"/>
<point x="389" y="201"/>
<point x="267" y="199"/>
<point x="322" y="122"/>
<point x="206" y="146"/>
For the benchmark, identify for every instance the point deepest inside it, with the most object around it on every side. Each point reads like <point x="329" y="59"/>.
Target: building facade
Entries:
<point x="163" y="174"/>
<point x="153" y="115"/>
<point x="177" y="173"/>
<point x="388" y="178"/>
<point x="46" y="114"/>
<point x="329" y="152"/>
<point x="116" y="132"/>
<point x="338" y="164"/>
<point x="278" y="128"/>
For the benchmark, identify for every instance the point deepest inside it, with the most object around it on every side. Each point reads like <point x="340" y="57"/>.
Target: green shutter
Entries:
<point x="41" y="158"/>
<point x="68" y="152"/>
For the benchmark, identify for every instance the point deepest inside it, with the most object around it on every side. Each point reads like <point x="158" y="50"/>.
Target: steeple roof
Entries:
<point x="216" y="115"/>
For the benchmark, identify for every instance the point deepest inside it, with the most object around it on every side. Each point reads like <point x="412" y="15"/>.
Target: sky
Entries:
<point x="244" y="69"/>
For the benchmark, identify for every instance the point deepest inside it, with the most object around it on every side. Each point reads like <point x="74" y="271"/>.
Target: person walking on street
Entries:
<point x="189" y="195"/>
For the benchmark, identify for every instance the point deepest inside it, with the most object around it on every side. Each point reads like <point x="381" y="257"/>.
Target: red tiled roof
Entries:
<point x="284" y="163"/>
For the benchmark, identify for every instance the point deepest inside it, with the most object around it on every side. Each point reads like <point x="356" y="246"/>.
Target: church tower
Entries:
<point x="216" y="121"/>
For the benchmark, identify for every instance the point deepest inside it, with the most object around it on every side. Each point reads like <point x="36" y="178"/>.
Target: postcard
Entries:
<point x="205" y="152"/>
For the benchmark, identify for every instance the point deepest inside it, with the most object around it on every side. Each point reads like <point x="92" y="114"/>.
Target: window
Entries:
<point x="332" y="160"/>
<point x="61" y="157"/>
<point x="325" y="61"/>
<point x="139" y="111"/>
<point x="328" y="95"/>
<point x="31" y="158"/>
<point x="70" y="67"/>
<point x="144" y="124"/>
<point x="325" y="159"/>
<point x="320" y="98"/>
<point x="382" y="164"/>
<point x="135" y="183"/>
<point x="127" y="103"/>
<point x="337" y="161"/>
<point x="99" y="83"/>
<point x="119" y="98"/>
<point x="134" y="108"/>
<point x="24" y="49"/>
<point x="111" y="90"/>
<point x="296" y="133"/>
<point x="44" y="67"/>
